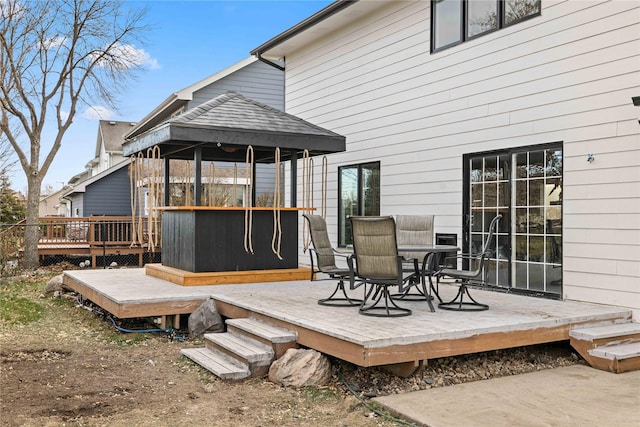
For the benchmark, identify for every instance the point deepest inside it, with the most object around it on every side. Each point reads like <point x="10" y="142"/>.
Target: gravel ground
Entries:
<point x="372" y="382"/>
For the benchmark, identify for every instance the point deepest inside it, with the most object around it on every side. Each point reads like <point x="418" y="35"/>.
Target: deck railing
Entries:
<point x="93" y="236"/>
<point x="94" y="230"/>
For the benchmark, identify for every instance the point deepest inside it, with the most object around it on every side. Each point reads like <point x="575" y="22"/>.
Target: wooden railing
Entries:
<point x="94" y="230"/>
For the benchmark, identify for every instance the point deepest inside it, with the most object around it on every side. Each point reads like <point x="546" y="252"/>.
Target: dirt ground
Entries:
<point x="63" y="364"/>
<point x="72" y="368"/>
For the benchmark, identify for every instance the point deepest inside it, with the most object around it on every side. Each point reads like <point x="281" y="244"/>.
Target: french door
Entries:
<point x="525" y="186"/>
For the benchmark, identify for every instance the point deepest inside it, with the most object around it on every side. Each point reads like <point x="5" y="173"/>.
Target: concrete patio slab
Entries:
<point x="570" y="396"/>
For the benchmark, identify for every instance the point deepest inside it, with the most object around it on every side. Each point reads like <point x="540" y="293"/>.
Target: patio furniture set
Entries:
<point x="392" y="259"/>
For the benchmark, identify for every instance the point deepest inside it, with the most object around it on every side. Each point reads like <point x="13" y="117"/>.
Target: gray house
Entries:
<point x="251" y="78"/>
<point x="106" y="190"/>
<point x="107" y="193"/>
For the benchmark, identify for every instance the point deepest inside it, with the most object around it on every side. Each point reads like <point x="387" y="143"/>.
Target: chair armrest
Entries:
<point x="352" y="274"/>
<point x="342" y="254"/>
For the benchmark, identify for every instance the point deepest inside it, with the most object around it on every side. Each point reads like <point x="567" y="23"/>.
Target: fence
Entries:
<point x="96" y="241"/>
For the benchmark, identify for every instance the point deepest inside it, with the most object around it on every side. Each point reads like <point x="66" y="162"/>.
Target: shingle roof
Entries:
<point x="234" y="121"/>
<point x="112" y="133"/>
<point x="232" y="110"/>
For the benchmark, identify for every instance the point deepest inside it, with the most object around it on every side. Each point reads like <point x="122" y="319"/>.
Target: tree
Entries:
<point x="57" y="56"/>
<point x="12" y="204"/>
<point x="7" y="160"/>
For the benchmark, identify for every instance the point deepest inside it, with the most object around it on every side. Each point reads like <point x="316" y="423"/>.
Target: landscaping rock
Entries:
<point x="205" y="319"/>
<point x="56" y="285"/>
<point x="301" y="368"/>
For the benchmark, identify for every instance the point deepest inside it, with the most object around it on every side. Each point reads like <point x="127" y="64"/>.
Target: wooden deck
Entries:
<point x="93" y="237"/>
<point x="511" y="321"/>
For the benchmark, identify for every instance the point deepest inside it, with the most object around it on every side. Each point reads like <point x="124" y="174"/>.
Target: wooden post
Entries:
<point x="294" y="179"/>
<point x="197" y="171"/>
<point x="167" y="182"/>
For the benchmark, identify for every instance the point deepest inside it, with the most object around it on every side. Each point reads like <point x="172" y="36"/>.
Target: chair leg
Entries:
<point x="390" y="308"/>
<point x="344" y="301"/>
<point x="458" y="303"/>
<point x="427" y="295"/>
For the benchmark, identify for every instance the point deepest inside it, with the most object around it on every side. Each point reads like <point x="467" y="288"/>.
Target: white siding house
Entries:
<point x="109" y="145"/>
<point x="443" y="123"/>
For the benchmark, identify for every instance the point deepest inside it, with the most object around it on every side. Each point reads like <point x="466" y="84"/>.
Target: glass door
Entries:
<point x="525" y="186"/>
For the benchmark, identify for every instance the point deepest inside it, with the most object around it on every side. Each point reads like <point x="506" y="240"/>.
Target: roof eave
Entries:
<point x="314" y="19"/>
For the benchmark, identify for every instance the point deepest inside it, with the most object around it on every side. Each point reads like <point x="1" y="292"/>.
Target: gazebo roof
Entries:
<point x="226" y="125"/>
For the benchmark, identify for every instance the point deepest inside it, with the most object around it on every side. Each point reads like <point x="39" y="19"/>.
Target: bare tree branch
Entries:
<point x="60" y="55"/>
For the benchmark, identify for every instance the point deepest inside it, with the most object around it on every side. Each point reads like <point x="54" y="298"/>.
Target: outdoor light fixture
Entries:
<point x="636" y="100"/>
<point x="227" y="149"/>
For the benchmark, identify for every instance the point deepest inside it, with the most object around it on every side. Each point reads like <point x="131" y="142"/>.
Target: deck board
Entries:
<point x="512" y="320"/>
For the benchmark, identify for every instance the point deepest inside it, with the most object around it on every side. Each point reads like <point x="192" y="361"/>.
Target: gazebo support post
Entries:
<point x="197" y="171"/>
<point x="167" y="182"/>
<point x="294" y="178"/>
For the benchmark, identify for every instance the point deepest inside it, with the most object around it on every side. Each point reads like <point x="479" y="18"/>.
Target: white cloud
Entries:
<point x="97" y="112"/>
<point x="130" y="56"/>
<point x="64" y="115"/>
<point x="54" y="42"/>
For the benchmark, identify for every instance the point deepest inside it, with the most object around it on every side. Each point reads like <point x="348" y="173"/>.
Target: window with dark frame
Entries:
<point x="456" y="21"/>
<point x="358" y="194"/>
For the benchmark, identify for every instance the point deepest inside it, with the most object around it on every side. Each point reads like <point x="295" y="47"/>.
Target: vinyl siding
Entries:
<point x="258" y="81"/>
<point x="110" y="195"/>
<point x="565" y="76"/>
<point x="77" y="203"/>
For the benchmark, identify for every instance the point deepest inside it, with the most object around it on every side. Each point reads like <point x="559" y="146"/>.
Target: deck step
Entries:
<point x="617" y="351"/>
<point x="245" y="350"/>
<point x="261" y="329"/>
<point x="279" y="339"/>
<point x="619" y="330"/>
<point x="614" y="348"/>
<point x="249" y="351"/>
<point x="218" y="363"/>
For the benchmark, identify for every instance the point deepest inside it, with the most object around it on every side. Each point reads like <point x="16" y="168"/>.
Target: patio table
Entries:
<point x="429" y="256"/>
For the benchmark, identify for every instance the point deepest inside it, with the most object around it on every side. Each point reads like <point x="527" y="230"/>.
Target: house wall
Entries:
<point x="77" y="205"/>
<point x="567" y="75"/>
<point x="260" y="82"/>
<point x="110" y="195"/>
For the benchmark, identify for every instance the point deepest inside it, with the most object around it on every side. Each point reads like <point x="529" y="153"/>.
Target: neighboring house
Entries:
<point x="108" y="193"/>
<point x="109" y="145"/>
<point x="456" y="109"/>
<point x="50" y="204"/>
<point x="105" y="189"/>
<point x="250" y="77"/>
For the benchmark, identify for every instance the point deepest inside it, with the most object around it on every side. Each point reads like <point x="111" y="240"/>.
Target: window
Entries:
<point x="359" y="194"/>
<point x="455" y="21"/>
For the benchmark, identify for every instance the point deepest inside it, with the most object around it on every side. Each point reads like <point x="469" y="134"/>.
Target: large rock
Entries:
<point x="301" y="368"/>
<point x="205" y="319"/>
<point x="56" y="285"/>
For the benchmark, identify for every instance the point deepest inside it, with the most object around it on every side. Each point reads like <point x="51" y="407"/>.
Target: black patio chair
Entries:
<point x="377" y="265"/>
<point x="476" y="265"/>
<point x="323" y="260"/>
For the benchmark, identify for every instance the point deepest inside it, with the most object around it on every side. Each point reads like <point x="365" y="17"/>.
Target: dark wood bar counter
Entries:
<point x="211" y="239"/>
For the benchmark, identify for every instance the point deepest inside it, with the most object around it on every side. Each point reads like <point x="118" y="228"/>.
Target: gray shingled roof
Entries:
<point x="232" y="121"/>
<point x="112" y="135"/>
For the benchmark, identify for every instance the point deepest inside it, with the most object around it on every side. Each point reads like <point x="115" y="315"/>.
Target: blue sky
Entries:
<point x="189" y="41"/>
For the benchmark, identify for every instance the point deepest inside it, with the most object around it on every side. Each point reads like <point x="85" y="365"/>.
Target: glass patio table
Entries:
<point x="430" y="257"/>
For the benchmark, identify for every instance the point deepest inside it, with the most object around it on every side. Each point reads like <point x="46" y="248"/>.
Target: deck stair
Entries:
<point x="614" y="348"/>
<point x="245" y="350"/>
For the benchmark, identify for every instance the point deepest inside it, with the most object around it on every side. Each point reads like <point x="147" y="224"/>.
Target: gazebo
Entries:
<point x="232" y="128"/>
